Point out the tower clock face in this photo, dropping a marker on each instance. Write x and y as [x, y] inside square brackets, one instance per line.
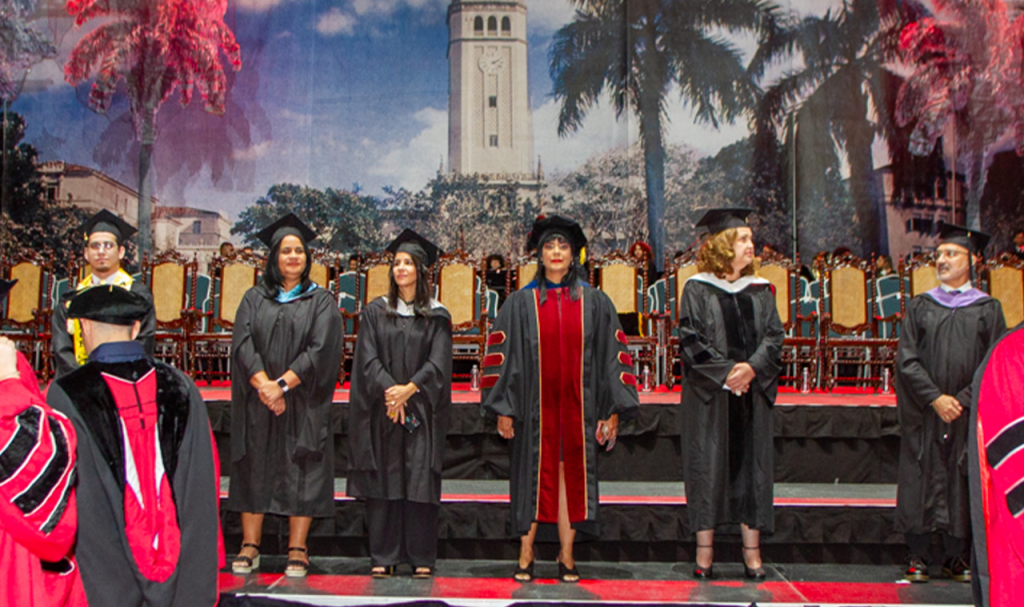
[491, 62]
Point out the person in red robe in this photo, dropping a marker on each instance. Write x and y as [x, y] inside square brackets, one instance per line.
[996, 470]
[558, 376]
[38, 513]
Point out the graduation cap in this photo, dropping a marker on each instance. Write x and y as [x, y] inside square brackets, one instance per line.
[556, 224]
[717, 220]
[105, 221]
[109, 304]
[974, 241]
[419, 247]
[289, 225]
[6, 286]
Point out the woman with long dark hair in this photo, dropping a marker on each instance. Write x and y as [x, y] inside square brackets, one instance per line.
[398, 417]
[556, 414]
[731, 338]
[286, 349]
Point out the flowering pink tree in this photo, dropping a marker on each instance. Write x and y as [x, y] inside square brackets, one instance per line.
[156, 46]
[967, 68]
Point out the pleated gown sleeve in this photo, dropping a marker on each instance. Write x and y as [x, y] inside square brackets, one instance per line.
[699, 317]
[368, 382]
[616, 389]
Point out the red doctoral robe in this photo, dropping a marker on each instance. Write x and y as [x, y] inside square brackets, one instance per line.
[37, 502]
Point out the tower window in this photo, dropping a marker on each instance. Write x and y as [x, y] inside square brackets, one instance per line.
[492, 25]
[478, 26]
[494, 141]
[492, 101]
[506, 26]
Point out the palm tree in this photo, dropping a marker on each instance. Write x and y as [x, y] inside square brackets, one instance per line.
[636, 50]
[968, 70]
[844, 53]
[156, 46]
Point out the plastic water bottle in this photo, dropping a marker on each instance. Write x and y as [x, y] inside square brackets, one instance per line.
[647, 379]
[805, 381]
[474, 379]
[886, 381]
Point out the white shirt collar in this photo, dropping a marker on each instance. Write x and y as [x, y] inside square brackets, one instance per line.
[729, 287]
[967, 286]
[404, 309]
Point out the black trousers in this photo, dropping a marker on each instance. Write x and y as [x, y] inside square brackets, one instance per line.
[402, 532]
[920, 546]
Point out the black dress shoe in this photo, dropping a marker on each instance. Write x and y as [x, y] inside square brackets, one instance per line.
[755, 573]
[703, 573]
[957, 569]
[917, 571]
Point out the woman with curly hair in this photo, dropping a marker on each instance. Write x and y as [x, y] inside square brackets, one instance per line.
[731, 337]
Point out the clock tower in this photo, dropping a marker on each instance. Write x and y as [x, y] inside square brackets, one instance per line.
[490, 128]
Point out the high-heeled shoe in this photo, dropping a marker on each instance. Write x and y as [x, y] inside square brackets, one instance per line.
[244, 565]
[755, 573]
[703, 573]
[297, 568]
[567, 575]
[524, 574]
[382, 571]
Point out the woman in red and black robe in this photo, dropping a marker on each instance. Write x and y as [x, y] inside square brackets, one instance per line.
[558, 376]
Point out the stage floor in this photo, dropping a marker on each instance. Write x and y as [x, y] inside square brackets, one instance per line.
[345, 581]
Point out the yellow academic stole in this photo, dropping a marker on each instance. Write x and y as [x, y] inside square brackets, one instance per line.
[121, 279]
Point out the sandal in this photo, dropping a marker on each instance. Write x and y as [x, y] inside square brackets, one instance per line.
[244, 565]
[296, 567]
[381, 572]
[567, 575]
[756, 573]
[524, 574]
[422, 573]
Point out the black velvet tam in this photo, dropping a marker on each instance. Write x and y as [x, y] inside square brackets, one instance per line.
[561, 225]
[105, 221]
[110, 304]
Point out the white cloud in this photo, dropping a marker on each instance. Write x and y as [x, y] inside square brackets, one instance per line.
[387, 7]
[548, 15]
[252, 152]
[335, 22]
[414, 164]
[258, 6]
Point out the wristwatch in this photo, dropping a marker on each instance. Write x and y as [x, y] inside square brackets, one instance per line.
[284, 385]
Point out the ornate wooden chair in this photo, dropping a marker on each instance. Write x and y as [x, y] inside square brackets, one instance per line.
[1005, 279]
[919, 276]
[27, 311]
[462, 288]
[210, 342]
[171, 276]
[371, 282]
[524, 270]
[848, 327]
[677, 272]
[621, 277]
[800, 349]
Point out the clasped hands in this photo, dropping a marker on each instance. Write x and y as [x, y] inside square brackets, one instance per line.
[948, 408]
[271, 394]
[607, 430]
[739, 378]
[395, 399]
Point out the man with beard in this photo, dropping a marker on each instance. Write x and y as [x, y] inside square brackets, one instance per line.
[945, 336]
[105, 234]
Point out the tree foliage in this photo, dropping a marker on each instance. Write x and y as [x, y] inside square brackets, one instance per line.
[21, 46]
[344, 221]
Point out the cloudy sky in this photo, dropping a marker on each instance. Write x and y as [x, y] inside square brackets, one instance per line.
[332, 93]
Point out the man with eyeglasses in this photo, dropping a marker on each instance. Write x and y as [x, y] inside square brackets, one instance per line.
[944, 338]
[105, 234]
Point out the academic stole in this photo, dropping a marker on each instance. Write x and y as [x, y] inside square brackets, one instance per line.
[121, 279]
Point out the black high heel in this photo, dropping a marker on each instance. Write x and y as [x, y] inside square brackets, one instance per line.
[704, 573]
[524, 574]
[753, 574]
[567, 575]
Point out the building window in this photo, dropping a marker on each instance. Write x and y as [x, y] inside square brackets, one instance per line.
[197, 227]
[492, 101]
[921, 225]
[506, 26]
[494, 141]
[492, 25]
[478, 26]
[51, 192]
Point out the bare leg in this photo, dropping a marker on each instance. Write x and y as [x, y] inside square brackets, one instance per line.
[298, 530]
[252, 533]
[751, 546]
[705, 548]
[566, 534]
[526, 555]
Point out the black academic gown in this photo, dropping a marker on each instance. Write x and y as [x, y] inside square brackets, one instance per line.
[63, 344]
[284, 464]
[512, 387]
[387, 461]
[940, 348]
[109, 571]
[728, 440]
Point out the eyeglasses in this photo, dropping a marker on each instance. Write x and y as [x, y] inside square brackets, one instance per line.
[950, 253]
[102, 245]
